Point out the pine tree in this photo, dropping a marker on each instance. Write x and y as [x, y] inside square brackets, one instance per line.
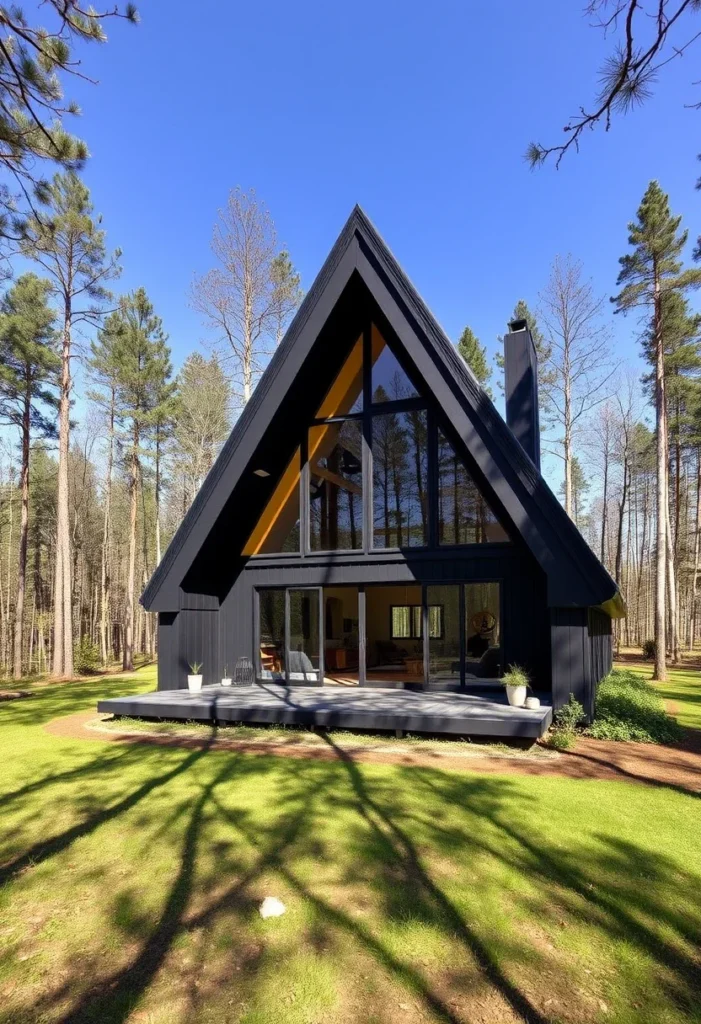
[202, 420]
[648, 274]
[29, 366]
[141, 360]
[68, 243]
[33, 110]
[475, 355]
[103, 372]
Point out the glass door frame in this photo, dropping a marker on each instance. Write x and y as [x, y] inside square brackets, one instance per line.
[462, 605]
[256, 634]
[363, 625]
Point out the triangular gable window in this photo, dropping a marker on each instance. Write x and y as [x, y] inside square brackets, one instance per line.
[373, 416]
[464, 517]
[389, 382]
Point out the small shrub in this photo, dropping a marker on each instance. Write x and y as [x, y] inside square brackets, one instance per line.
[86, 656]
[628, 708]
[561, 739]
[516, 676]
[649, 650]
[564, 732]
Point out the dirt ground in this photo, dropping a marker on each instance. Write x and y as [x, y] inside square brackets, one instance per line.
[678, 766]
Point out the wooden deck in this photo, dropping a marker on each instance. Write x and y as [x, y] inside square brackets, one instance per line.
[328, 707]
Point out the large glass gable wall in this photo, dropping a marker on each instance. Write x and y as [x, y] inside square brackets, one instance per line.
[375, 470]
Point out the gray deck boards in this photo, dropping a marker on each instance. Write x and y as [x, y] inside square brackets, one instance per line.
[331, 707]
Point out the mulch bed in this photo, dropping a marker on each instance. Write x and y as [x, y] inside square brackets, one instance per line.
[677, 766]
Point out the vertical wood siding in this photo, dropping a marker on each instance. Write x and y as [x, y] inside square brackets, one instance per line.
[220, 636]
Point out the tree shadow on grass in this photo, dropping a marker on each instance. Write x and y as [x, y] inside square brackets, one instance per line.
[632, 895]
[409, 870]
[56, 844]
[115, 997]
[285, 829]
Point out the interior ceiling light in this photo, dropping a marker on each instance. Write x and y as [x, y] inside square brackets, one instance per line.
[261, 472]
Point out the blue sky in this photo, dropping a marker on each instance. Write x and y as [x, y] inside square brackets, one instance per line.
[421, 114]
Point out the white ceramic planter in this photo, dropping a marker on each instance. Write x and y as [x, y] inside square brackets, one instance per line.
[194, 683]
[516, 695]
[226, 681]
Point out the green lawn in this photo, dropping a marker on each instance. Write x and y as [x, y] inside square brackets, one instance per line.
[683, 688]
[131, 877]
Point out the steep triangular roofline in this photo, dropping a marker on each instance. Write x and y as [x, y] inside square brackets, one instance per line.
[575, 577]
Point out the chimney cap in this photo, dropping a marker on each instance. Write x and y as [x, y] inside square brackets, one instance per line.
[518, 325]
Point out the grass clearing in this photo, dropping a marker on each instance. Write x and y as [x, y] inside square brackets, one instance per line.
[682, 690]
[130, 877]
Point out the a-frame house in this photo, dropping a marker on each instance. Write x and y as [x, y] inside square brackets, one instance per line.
[373, 523]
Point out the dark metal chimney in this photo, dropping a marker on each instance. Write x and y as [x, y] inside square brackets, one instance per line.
[521, 386]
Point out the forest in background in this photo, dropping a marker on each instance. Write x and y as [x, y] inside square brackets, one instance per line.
[103, 445]
[143, 437]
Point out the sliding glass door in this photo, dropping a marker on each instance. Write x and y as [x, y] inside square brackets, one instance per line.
[289, 635]
[467, 651]
[441, 636]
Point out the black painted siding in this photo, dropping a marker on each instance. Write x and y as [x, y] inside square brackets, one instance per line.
[219, 637]
[184, 637]
[581, 654]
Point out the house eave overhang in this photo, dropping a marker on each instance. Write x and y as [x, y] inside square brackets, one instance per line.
[615, 607]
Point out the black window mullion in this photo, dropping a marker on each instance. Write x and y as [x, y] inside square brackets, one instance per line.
[362, 636]
[287, 636]
[425, 624]
[432, 480]
[304, 518]
[463, 631]
[321, 626]
[367, 442]
[256, 634]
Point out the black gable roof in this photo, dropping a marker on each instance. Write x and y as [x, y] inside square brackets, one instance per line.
[574, 574]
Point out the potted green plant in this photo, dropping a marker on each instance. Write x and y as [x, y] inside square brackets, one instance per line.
[226, 678]
[516, 682]
[194, 680]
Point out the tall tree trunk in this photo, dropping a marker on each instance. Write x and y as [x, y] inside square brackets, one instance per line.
[23, 531]
[604, 509]
[697, 552]
[621, 516]
[568, 443]
[660, 672]
[106, 537]
[7, 636]
[63, 612]
[672, 596]
[158, 498]
[128, 657]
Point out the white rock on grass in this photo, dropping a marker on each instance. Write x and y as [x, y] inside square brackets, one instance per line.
[272, 907]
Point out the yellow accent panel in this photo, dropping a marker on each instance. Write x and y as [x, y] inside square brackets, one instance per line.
[340, 399]
[343, 393]
[347, 386]
[378, 344]
[278, 501]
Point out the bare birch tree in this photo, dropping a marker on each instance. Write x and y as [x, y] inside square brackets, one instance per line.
[249, 297]
[580, 370]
